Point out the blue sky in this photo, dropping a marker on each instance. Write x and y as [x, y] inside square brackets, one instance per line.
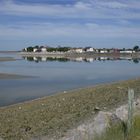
[76, 23]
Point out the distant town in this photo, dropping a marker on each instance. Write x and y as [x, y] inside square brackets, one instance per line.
[59, 49]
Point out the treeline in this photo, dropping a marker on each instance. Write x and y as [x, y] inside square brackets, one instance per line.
[66, 49]
[59, 49]
[136, 48]
[46, 48]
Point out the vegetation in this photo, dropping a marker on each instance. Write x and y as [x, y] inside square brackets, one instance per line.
[30, 49]
[49, 49]
[115, 132]
[136, 48]
[118, 132]
[59, 49]
[66, 49]
[54, 115]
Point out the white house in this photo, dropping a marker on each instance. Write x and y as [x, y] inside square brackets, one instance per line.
[25, 49]
[79, 50]
[43, 49]
[35, 49]
[127, 51]
[103, 51]
[89, 49]
[96, 50]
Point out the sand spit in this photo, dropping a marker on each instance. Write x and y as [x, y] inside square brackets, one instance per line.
[3, 59]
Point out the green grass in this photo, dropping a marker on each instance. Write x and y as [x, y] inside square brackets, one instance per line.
[54, 115]
[113, 133]
[136, 128]
[118, 132]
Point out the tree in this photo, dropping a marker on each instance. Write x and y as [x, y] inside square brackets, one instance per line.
[51, 49]
[30, 49]
[24, 50]
[123, 49]
[63, 49]
[136, 60]
[37, 47]
[136, 48]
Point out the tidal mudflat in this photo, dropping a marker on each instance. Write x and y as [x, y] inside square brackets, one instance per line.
[11, 76]
[7, 75]
[2, 59]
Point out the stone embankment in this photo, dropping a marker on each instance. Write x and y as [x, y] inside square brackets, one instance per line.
[85, 55]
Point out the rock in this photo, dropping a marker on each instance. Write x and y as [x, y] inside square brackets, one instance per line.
[101, 122]
[96, 108]
[19, 107]
[137, 103]
[114, 119]
[122, 112]
[105, 108]
[90, 129]
[82, 128]
[28, 128]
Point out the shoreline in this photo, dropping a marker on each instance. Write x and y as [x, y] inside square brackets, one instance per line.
[53, 115]
[66, 91]
[86, 55]
[4, 59]
[7, 76]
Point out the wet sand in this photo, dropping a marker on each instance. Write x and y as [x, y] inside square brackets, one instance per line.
[3, 59]
[11, 76]
[7, 75]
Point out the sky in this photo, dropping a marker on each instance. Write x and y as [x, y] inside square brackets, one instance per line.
[76, 23]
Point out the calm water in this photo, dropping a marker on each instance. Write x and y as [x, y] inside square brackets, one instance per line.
[53, 75]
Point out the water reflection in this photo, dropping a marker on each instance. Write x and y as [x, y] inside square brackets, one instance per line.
[78, 59]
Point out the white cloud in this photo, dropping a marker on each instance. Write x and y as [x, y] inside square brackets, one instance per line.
[82, 6]
[112, 4]
[81, 9]
[85, 27]
[52, 30]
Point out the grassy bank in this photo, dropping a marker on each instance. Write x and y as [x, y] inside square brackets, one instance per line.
[54, 115]
[118, 132]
